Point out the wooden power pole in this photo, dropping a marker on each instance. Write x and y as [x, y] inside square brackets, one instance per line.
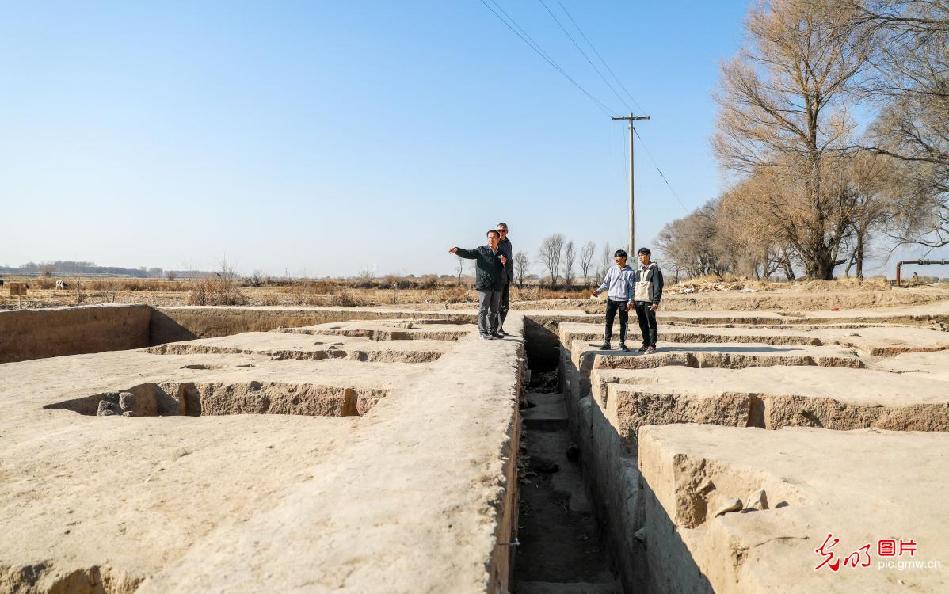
[632, 186]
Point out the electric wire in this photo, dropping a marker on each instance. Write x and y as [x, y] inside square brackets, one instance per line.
[658, 170]
[583, 53]
[511, 24]
[602, 61]
[618, 82]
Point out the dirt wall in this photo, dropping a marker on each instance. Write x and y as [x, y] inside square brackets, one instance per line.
[40, 333]
[169, 324]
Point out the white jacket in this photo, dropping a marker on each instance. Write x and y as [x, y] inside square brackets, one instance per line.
[620, 283]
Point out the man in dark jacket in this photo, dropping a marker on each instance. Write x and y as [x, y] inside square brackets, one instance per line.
[490, 264]
[507, 250]
[647, 295]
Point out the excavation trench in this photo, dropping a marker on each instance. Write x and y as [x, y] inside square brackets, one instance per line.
[168, 399]
[561, 546]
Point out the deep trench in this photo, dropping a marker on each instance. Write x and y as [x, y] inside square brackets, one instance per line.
[561, 545]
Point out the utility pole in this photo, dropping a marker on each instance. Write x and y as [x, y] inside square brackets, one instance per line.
[632, 191]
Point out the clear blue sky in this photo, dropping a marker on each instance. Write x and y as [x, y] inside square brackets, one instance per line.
[332, 137]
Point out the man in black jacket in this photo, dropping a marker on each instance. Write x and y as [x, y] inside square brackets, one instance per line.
[490, 265]
[507, 250]
[647, 295]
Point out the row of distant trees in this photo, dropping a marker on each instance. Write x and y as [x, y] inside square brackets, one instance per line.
[812, 188]
[79, 267]
[561, 262]
[68, 267]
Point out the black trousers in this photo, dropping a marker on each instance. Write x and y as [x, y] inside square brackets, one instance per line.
[647, 322]
[505, 304]
[611, 309]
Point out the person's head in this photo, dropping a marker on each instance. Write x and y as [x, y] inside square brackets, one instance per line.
[493, 238]
[620, 257]
[502, 230]
[643, 254]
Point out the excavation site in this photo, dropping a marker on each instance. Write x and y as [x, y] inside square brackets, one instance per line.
[483, 297]
[312, 449]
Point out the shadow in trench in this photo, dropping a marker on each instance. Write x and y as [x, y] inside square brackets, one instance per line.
[561, 547]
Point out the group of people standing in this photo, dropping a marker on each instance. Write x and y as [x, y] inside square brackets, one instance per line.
[494, 273]
[639, 289]
[627, 288]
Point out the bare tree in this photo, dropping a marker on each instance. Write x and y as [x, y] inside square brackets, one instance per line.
[758, 238]
[910, 82]
[694, 244]
[569, 261]
[521, 264]
[459, 270]
[550, 253]
[782, 105]
[869, 175]
[606, 260]
[586, 260]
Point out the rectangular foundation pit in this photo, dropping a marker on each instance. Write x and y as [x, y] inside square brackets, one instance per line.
[388, 330]
[834, 384]
[726, 355]
[307, 347]
[428, 478]
[169, 399]
[410, 444]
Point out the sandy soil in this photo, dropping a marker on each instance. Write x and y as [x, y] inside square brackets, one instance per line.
[412, 497]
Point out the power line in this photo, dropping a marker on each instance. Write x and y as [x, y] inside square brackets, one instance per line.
[511, 24]
[620, 83]
[582, 53]
[605, 65]
[661, 174]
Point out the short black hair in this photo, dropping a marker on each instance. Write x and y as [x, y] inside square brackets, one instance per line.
[644, 250]
[620, 254]
[490, 231]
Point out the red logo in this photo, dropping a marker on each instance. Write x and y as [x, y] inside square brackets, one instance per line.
[861, 557]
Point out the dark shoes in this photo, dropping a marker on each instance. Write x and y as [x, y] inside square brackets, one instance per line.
[623, 347]
[650, 350]
[498, 335]
[643, 348]
[605, 347]
[487, 337]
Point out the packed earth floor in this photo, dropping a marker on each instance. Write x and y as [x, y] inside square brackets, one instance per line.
[390, 450]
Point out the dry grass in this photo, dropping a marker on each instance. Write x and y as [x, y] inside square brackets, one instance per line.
[221, 290]
[430, 292]
[730, 282]
[216, 291]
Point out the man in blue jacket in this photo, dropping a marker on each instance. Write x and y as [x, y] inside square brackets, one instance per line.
[619, 286]
[489, 266]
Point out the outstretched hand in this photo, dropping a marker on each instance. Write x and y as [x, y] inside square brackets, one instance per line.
[453, 250]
